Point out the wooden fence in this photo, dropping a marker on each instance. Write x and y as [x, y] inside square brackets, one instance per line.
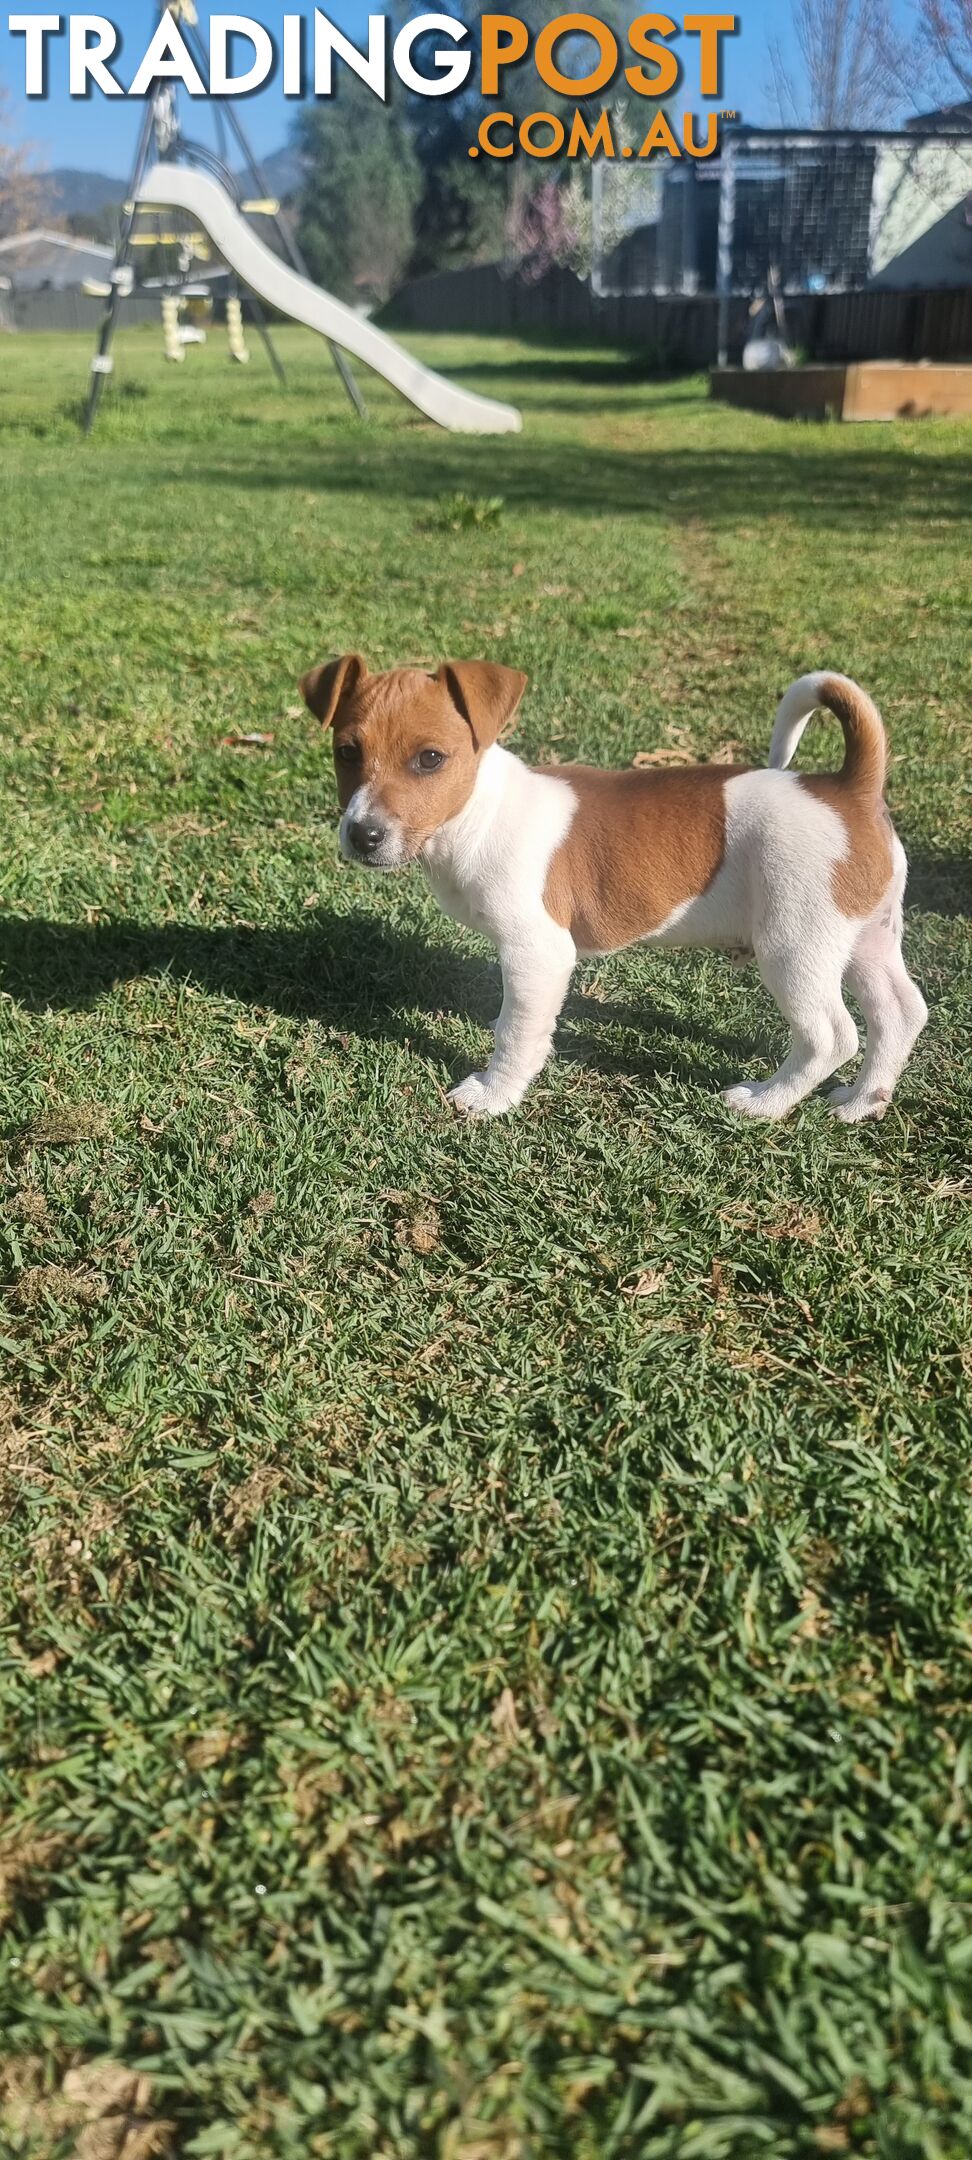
[680, 332]
[69, 308]
[671, 330]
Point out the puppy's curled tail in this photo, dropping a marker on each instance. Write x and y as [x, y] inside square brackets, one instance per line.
[865, 743]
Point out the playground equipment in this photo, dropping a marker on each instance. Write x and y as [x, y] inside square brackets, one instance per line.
[172, 342]
[205, 188]
[830, 209]
[187, 296]
[283, 288]
[235, 336]
[186, 311]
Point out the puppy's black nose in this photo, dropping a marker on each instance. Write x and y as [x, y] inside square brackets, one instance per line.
[366, 839]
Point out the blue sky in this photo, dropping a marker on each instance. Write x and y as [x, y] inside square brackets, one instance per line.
[100, 134]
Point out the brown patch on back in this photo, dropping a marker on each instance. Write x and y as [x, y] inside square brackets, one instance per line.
[859, 882]
[640, 845]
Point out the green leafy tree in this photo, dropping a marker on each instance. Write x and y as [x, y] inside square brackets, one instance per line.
[460, 213]
[101, 225]
[391, 191]
[362, 185]
[478, 209]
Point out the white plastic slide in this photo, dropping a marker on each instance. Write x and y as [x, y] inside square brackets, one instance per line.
[178, 187]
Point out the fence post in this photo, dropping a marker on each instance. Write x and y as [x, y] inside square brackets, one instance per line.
[690, 228]
[727, 221]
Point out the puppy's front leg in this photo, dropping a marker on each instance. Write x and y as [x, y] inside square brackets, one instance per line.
[537, 968]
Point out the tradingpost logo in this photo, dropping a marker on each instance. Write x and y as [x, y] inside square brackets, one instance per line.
[432, 56]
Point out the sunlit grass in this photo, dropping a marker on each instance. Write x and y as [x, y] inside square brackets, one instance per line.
[486, 1641]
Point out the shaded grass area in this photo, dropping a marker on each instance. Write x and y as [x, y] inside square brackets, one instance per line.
[485, 1657]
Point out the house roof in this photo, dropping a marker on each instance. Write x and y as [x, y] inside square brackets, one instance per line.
[39, 235]
[39, 258]
[947, 119]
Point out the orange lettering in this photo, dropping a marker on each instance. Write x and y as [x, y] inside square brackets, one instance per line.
[580, 85]
[486, 127]
[582, 138]
[666, 62]
[688, 134]
[710, 29]
[497, 55]
[659, 137]
[542, 119]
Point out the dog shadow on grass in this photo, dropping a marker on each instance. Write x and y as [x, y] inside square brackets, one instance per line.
[351, 973]
[940, 884]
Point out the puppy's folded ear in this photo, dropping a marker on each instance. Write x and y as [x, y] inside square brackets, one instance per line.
[324, 687]
[486, 696]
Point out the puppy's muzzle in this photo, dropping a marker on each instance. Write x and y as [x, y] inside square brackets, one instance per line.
[368, 838]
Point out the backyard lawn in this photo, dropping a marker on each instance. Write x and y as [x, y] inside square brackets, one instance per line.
[486, 1637]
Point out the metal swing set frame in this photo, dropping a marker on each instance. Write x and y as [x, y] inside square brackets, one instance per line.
[160, 134]
[186, 177]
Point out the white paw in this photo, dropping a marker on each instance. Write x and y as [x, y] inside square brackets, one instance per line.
[840, 1095]
[477, 1097]
[752, 1098]
[853, 1108]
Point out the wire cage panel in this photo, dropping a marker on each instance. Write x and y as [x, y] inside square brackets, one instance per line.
[820, 212]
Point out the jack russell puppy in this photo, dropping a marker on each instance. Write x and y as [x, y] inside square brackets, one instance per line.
[805, 872]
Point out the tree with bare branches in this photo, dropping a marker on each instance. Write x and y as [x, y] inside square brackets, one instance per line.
[849, 65]
[22, 187]
[947, 28]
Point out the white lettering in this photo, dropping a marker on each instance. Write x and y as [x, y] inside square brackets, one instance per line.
[168, 56]
[34, 29]
[452, 68]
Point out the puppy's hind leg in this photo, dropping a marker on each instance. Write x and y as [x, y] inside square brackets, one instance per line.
[805, 980]
[895, 1012]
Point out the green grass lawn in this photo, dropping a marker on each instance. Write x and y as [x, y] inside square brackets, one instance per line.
[486, 1610]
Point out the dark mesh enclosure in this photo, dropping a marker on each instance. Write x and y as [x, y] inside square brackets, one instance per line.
[825, 212]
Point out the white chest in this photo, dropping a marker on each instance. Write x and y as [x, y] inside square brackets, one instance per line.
[488, 869]
[463, 900]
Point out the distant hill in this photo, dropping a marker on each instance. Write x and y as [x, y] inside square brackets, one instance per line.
[283, 171]
[81, 194]
[77, 194]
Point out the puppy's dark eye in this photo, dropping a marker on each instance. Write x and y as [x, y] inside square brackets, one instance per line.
[429, 760]
[347, 753]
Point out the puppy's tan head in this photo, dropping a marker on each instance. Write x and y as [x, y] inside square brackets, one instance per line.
[407, 746]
